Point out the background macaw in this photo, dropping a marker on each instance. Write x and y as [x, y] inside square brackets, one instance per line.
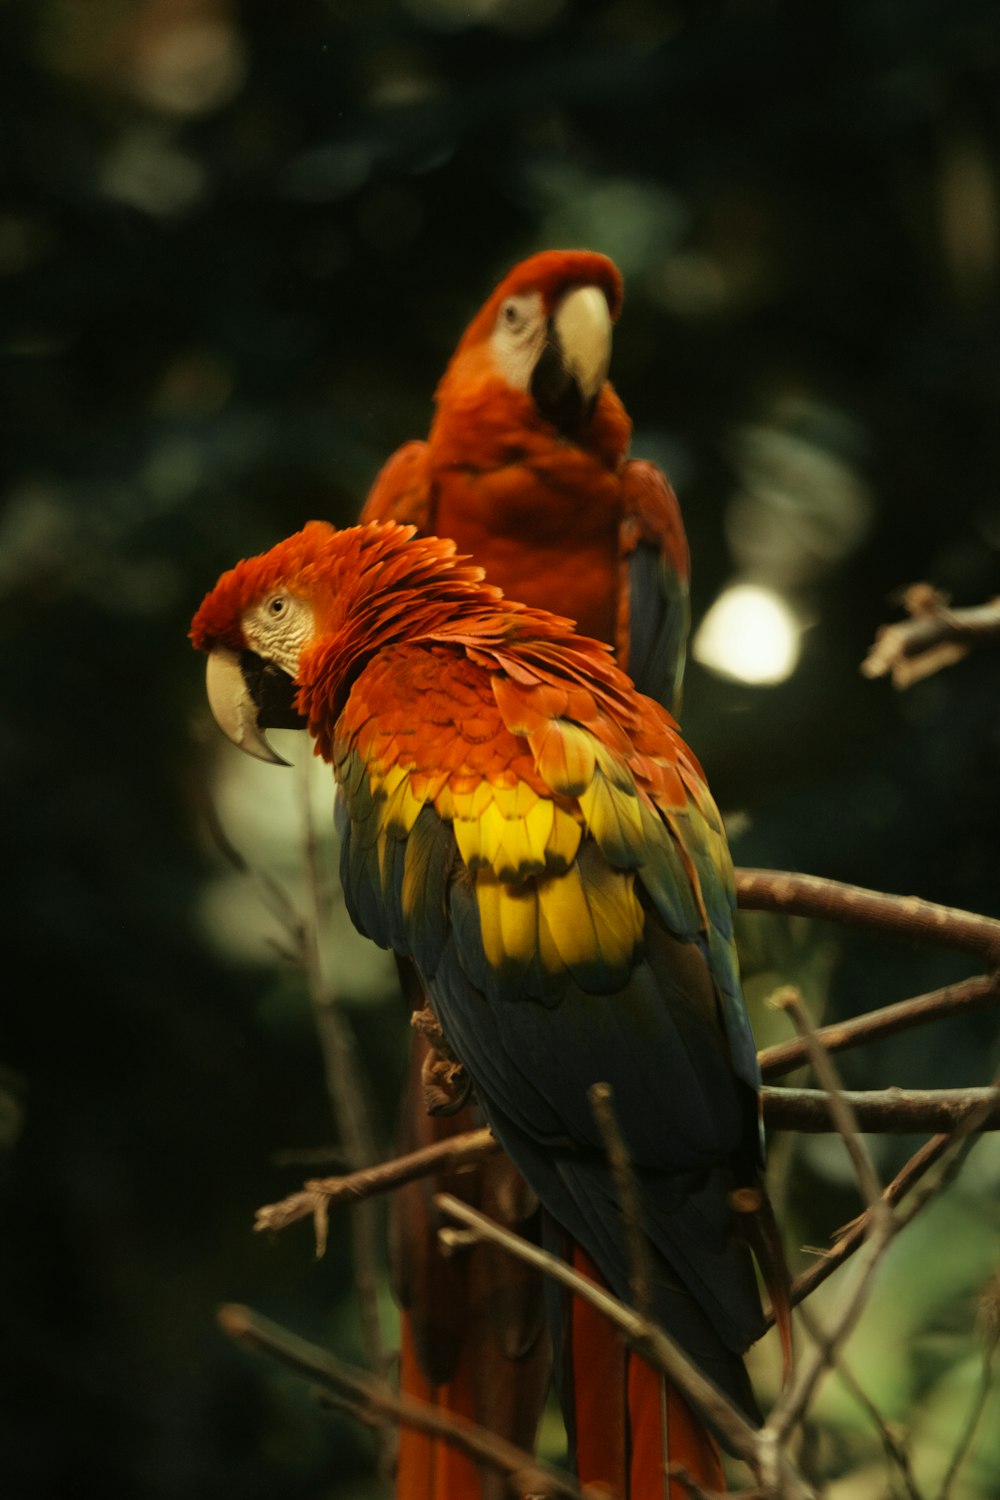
[536, 837]
[526, 468]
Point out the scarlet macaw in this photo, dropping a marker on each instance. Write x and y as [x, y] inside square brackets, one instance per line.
[536, 837]
[526, 468]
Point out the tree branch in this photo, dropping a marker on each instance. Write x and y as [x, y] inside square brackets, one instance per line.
[376, 1403]
[891, 1111]
[951, 1146]
[895, 1448]
[649, 1341]
[934, 636]
[980, 993]
[854, 1235]
[908, 917]
[345, 1085]
[840, 1109]
[794, 1400]
[448, 1155]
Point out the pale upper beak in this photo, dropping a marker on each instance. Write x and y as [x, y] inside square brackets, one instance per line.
[233, 705]
[582, 323]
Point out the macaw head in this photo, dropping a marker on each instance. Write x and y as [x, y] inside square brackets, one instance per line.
[255, 625]
[287, 631]
[544, 333]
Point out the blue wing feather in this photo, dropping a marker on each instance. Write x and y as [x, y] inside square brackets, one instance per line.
[659, 620]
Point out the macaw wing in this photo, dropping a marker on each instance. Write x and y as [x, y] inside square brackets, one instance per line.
[527, 875]
[402, 490]
[655, 583]
[685, 1115]
[478, 820]
[644, 799]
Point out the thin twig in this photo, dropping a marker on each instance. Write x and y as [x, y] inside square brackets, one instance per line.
[964, 1444]
[989, 1323]
[963, 998]
[960, 1143]
[854, 1236]
[448, 1155]
[895, 1450]
[795, 1399]
[908, 917]
[878, 1228]
[340, 1062]
[381, 1406]
[844, 1117]
[651, 1342]
[885, 1111]
[601, 1096]
[678, 1475]
[342, 1071]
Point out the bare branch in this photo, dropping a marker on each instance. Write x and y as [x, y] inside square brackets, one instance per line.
[934, 636]
[895, 1449]
[875, 911]
[960, 1143]
[950, 1146]
[879, 1225]
[345, 1087]
[649, 1341]
[841, 1111]
[969, 995]
[795, 1399]
[376, 1403]
[656, 1347]
[853, 1237]
[443, 1156]
[888, 1111]
[983, 1387]
[989, 1327]
[899, 1111]
[680, 1476]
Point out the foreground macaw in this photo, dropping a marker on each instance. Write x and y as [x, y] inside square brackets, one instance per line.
[535, 836]
[526, 468]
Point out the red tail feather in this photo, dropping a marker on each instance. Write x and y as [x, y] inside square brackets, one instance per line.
[473, 1338]
[427, 1467]
[629, 1425]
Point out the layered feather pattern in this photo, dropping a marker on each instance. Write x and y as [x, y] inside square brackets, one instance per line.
[538, 838]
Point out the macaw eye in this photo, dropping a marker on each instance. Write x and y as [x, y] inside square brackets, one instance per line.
[512, 313]
[277, 606]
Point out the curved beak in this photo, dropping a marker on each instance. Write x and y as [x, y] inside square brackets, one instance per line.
[573, 365]
[582, 324]
[234, 706]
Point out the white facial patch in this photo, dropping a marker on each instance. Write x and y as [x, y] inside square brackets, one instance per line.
[518, 338]
[278, 628]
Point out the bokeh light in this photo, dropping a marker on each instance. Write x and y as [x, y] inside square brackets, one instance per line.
[750, 635]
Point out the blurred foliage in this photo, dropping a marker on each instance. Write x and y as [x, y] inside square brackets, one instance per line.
[238, 240]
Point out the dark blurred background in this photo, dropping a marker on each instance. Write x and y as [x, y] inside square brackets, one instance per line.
[237, 244]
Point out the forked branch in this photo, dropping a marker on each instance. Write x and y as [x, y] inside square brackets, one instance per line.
[932, 637]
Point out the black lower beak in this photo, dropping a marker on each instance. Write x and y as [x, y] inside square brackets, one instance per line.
[272, 691]
[555, 390]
